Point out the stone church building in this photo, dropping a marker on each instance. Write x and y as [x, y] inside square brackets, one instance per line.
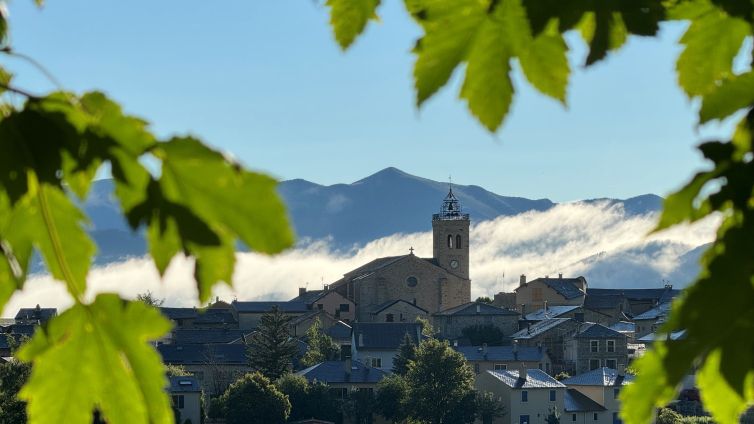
[433, 284]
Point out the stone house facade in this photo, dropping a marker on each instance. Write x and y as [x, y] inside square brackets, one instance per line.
[550, 334]
[526, 395]
[398, 311]
[535, 294]
[451, 322]
[595, 346]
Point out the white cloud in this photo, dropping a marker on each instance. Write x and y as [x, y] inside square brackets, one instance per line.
[597, 241]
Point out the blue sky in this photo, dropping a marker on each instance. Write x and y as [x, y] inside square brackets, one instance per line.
[265, 81]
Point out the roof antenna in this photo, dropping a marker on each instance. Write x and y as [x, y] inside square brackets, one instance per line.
[450, 183]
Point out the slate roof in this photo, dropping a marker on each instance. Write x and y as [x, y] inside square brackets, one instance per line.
[384, 335]
[602, 301]
[308, 297]
[591, 330]
[23, 329]
[476, 308]
[536, 379]
[660, 295]
[604, 377]
[228, 354]
[184, 384]
[540, 327]
[35, 314]
[576, 401]
[339, 331]
[179, 313]
[550, 312]
[266, 306]
[565, 287]
[215, 317]
[379, 308]
[373, 266]
[651, 337]
[501, 353]
[206, 335]
[658, 311]
[333, 372]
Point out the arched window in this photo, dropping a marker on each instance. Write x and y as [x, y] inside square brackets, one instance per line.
[450, 241]
[458, 241]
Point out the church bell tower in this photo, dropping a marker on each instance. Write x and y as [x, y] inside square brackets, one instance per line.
[450, 237]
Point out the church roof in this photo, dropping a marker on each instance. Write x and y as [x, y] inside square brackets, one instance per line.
[476, 308]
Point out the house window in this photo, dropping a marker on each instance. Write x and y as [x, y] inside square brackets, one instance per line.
[594, 346]
[376, 362]
[524, 396]
[476, 368]
[553, 395]
[345, 307]
[536, 294]
[523, 419]
[458, 241]
[594, 364]
[616, 392]
[178, 401]
[611, 345]
[616, 419]
[339, 392]
[389, 318]
[611, 363]
[596, 416]
[500, 367]
[573, 417]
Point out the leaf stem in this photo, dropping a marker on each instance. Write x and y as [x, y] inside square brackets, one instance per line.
[24, 93]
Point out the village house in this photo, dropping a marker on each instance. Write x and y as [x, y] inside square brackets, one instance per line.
[451, 322]
[344, 376]
[186, 397]
[215, 366]
[328, 301]
[248, 314]
[580, 409]
[376, 344]
[527, 396]
[300, 325]
[594, 346]
[500, 358]
[532, 295]
[397, 311]
[651, 320]
[602, 385]
[551, 334]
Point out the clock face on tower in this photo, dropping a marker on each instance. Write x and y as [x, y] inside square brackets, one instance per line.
[454, 264]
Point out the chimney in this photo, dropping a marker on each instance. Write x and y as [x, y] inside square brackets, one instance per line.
[522, 280]
[455, 343]
[545, 307]
[478, 308]
[301, 290]
[361, 339]
[523, 310]
[622, 369]
[347, 364]
[560, 275]
[484, 349]
[515, 350]
[523, 372]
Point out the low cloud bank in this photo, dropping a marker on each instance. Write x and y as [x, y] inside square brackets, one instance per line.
[598, 241]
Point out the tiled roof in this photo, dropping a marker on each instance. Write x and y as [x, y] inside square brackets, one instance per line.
[339, 331]
[205, 335]
[550, 312]
[536, 379]
[576, 401]
[184, 384]
[476, 308]
[539, 328]
[652, 337]
[658, 311]
[308, 297]
[501, 353]
[379, 308]
[597, 331]
[605, 377]
[179, 313]
[35, 314]
[334, 372]
[228, 354]
[384, 335]
[262, 307]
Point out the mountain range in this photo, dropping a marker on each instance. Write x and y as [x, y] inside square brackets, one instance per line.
[348, 215]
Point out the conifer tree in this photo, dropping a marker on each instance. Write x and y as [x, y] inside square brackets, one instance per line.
[406, 353]
[271, 349]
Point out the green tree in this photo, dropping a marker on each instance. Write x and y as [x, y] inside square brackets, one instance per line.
[484, 299]
[13, 375]
[392, 398]
[406, 354]
[553, 417]
[487, 408]
[321, 347]
[439, 381]
[668, 416]
[271, 348]
[254, 399]
[314, 400]
[360, 406]
[176, 371]
[483, 333]
[150, 299]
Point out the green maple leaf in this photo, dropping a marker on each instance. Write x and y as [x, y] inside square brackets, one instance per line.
[349, 18]
[98, 356]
